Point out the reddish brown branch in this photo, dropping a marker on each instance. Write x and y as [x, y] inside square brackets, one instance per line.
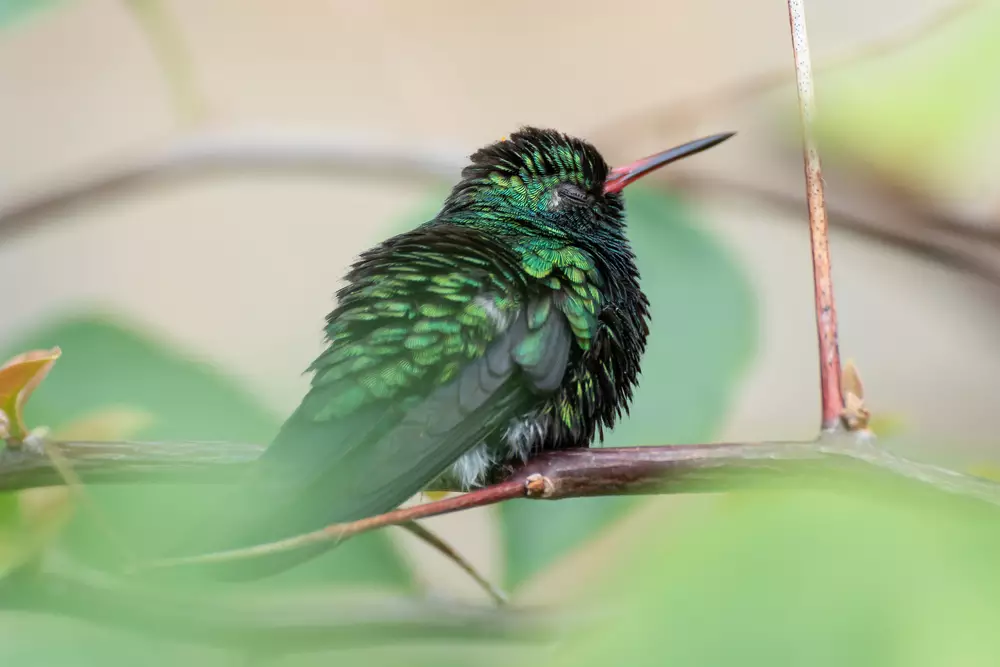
[826, 310]
[490, 495]
[582, 472]
[550, 476]
[657, 470]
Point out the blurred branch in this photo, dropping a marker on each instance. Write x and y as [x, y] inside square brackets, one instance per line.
[909, 225]
[282, 623]
[929, 231]
[262, 149]
[102, 462]
[449, 552]
[578, 473]
[272, 622]
[167, 45]
[605, 471]
[947, 244]
[79, 492]
[252, 149]
[38, 463]
[565, 474]
[686, 114]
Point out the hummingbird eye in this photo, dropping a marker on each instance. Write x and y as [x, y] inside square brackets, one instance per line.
[567, 193]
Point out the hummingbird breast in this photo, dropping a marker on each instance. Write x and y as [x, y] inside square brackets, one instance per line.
[596, 386]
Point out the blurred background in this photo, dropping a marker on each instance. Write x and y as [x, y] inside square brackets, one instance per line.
[183, 183]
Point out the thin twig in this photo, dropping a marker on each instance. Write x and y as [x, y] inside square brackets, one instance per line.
[78, 491]
[490, 495]
[41, 463]
[826, 310]
[657, 470]
[279, 622]
[449, 552]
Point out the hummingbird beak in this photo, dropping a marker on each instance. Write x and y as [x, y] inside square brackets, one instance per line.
[619, 177]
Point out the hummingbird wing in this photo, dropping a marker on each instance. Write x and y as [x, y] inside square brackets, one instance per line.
[434, 344]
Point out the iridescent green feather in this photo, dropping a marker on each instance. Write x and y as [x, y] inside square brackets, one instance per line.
[398, 330]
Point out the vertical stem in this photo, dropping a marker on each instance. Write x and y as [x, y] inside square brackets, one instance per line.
[826, 311]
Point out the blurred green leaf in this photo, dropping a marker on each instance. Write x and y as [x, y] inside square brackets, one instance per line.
[815, 579]
[108, 363]
[40, 514]
[109, 366]
[13, 11]
[11, 532]
[915, 111]
[28, 640]
[704, 325]
[704, 332]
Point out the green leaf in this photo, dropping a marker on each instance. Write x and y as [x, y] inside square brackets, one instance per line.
[107, 364]
[13, 11]
[704, 333]
[32, 640]
[916, 112]
[704, 325]
[806, 578]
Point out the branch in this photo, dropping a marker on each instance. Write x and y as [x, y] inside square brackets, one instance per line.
[826, 310]
[39, 463]
[907, 219]
[919, 235]
[666, 469]
[449, 552]
[76, 487]
[273, 622]
[687, 113]
[279, 622]
[111, 462]
[264, 149]
[698, 467]
[918, 228]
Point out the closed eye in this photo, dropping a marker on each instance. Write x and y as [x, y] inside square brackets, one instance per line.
[567, 193]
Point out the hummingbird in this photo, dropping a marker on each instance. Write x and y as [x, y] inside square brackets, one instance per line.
[511, 323]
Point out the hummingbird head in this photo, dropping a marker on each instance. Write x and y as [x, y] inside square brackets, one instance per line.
[543, 181]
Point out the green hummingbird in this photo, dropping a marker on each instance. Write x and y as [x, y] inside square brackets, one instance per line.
[512, 322]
